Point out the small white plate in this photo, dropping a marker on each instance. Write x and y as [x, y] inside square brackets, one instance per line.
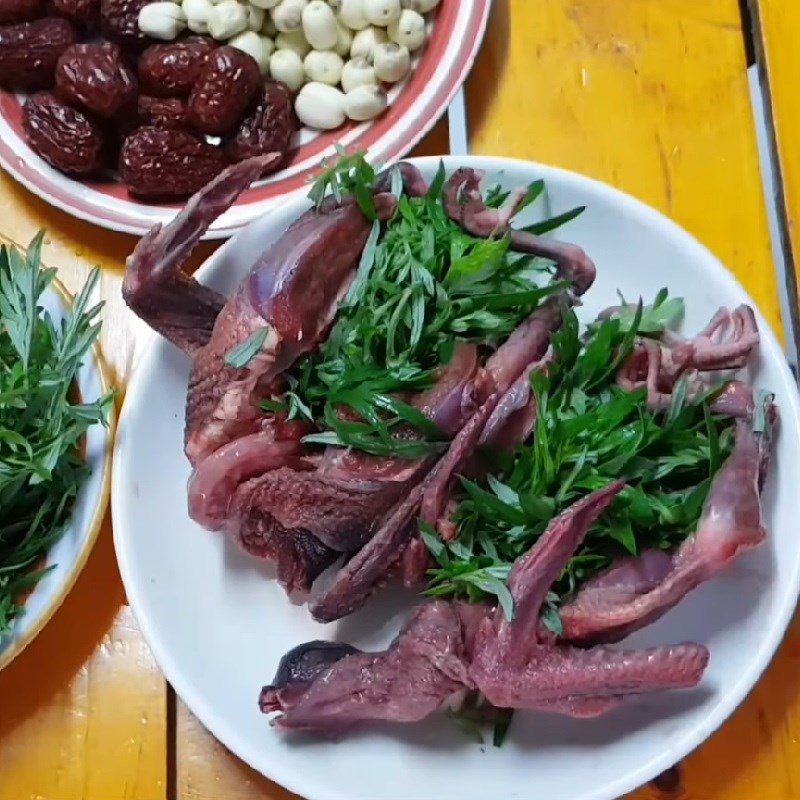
[218, 622]
[70, 552]
[455, 34]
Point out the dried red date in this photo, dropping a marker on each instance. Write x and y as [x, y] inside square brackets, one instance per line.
[95, 76]
[170, 70]
[163, 112]
[19, 10]
[226, 85]
[268, 129]
[29, 51]
[63, 136]
[83, 12]
[119, 20]
[167, 162]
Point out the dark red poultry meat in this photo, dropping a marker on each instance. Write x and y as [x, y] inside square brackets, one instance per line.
[253, 477]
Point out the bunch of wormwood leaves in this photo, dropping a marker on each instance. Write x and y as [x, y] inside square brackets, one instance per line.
[41, 420]
[588, 432]
[422, 284]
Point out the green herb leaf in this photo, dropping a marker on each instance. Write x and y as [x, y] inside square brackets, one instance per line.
[365, 264]
[241, 355]
[551, 619]
[763, 401]
[621, 530]
[547, 225]
[423, 285]
[433, 542]
[437, 184]
[535, 189]
[502, 723]
[496, 196]
[493, 585]
[268, 404]
[41, 421]
[587, 432]
[349, 174]
[663, 313]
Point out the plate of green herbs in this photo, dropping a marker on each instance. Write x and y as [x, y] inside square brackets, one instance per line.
[218, 622]
[56, 421]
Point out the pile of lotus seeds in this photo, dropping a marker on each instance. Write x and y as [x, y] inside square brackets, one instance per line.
[336, 54]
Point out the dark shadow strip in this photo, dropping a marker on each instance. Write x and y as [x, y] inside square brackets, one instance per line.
[747, 30]
[753, 35]
[172, 744]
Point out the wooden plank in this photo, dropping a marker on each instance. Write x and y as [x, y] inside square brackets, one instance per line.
[206, 770]
[652, 97]
[756, 754]
[648, 95]
[777, 29]
[83, 711]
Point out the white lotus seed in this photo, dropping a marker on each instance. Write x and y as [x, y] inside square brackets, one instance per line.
[293, 40]
[197, 13]
[320, 106]
[288, 15]
[357, 72]
[227, 19]
[420, 6]
[344, 39]
[162, 20]
[324, 66]
[352, 14]
[287, 67]
[303, 44]
[409, 30]
[319, 25]
[381, 12]
[364, 42]
[392, 62]
[255, 18]
[365, 102]
[251, 43]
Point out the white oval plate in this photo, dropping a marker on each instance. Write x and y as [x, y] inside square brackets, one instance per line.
[218, 622]
[455, 34]
[70, 552]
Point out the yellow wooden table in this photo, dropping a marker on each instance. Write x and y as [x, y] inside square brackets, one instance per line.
[649, 95]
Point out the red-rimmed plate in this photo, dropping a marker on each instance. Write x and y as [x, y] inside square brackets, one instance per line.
[455, 35]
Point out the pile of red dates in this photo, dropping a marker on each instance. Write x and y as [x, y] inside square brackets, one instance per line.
[102, 97]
